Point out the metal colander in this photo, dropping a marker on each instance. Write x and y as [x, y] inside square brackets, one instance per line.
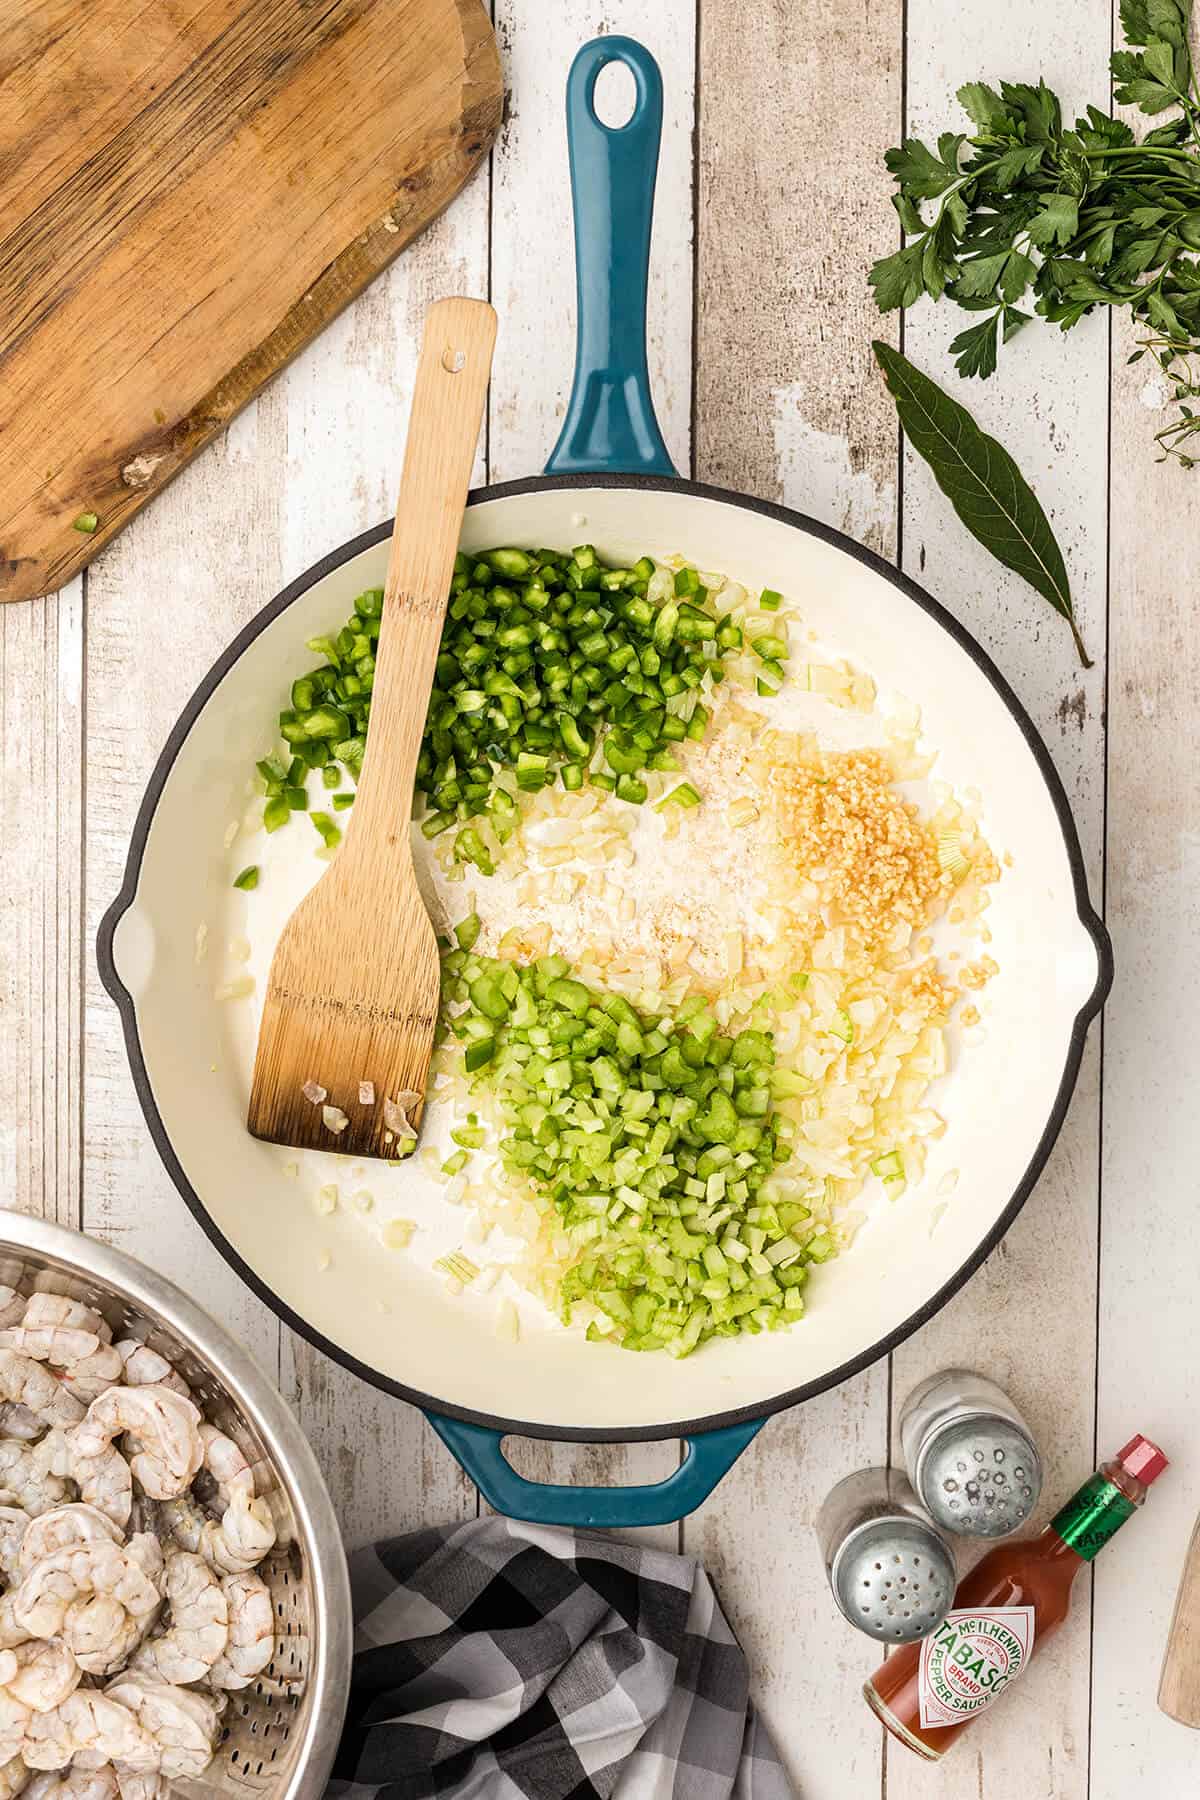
[281, 1733]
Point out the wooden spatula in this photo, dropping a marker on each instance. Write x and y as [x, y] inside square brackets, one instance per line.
[352, 996]
[1179, 1687]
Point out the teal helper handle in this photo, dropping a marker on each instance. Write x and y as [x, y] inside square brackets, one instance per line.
[610, 427]
[709, 1455]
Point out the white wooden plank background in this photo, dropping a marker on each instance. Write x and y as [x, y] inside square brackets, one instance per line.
[771, 204]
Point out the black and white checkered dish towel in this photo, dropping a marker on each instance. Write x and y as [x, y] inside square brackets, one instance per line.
[502, 1661]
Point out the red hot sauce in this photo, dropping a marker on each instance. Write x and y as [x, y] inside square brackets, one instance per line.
[1004, 1610]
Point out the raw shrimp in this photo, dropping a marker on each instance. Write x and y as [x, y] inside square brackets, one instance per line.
[251, 1632]
[14, 1523]
[104, 1480]
[93, 1375]
[53, 1310]
[237, 1542]
[92, 1728]
[25, 1382]
[184, 1725]
[12, 1306]
[144, 1549]
[137, 1784]
[74, 1784]
[144, 1367]
[101, 1633]
[182, 1521]
[226, 1462]
[246, 1534]
[43, 1674]
[17, 1421]
[25, 1480]
[59, 1344]
[14, 1717]
[64, 1525]
[199, 1628]
[100, 1597]
[144, 1516]
[15, 1777]
[57, 1330]
[164, 1425]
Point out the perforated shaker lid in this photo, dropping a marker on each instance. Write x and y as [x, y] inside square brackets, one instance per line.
[979, 1476]
[893, 1577]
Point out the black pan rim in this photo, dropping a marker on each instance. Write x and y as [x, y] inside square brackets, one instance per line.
[683, 1428]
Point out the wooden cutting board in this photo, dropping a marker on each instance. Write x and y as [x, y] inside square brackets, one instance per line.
[189, 191]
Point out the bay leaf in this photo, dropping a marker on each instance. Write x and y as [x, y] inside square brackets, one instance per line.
[982, 483]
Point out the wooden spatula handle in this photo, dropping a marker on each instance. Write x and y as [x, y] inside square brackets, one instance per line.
[452, 380]
[1179, 1688]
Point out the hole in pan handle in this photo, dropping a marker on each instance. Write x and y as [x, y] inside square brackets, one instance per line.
[611, 427]
[710, 1454]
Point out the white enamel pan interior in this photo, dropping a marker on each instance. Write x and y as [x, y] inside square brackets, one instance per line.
[387, 1316]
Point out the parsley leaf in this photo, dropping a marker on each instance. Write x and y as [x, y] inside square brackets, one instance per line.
[1085, 215]
[1037, 108]
[984, 106]
[897, 280]
[974, 350]
[1056, 222]
[1137, 85]
[1022, 159]
[921, 174]
[1144, 20]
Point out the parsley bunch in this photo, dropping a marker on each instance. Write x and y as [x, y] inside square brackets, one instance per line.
[1065, 220]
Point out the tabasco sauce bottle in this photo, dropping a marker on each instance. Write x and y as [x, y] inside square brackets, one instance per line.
[1004, 1610]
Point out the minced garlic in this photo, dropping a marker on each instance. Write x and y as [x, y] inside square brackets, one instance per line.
[877, 859]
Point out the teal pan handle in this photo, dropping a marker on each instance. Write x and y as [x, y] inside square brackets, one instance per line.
[610, 427]
[710, 1454]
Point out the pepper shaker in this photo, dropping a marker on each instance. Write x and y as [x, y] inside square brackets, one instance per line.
[890, 1569]
[970, 1455]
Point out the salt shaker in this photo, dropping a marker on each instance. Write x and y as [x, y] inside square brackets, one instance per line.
[970, 1455]
[890, 1569]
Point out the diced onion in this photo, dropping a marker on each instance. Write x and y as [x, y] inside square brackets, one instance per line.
[238, 989]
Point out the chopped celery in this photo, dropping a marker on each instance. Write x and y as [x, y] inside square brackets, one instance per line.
[248, 879]
[841, 1027]
[651, 1138]
[468, 931]
[684, 795]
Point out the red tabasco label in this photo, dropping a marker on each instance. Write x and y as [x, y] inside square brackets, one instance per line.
[970, 1660]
